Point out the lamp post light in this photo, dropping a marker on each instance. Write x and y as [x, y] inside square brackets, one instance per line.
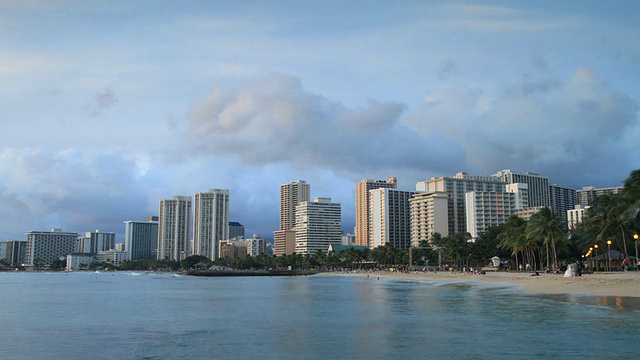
[609, 253]
[596, 247]
[590, 250]
[635, 237]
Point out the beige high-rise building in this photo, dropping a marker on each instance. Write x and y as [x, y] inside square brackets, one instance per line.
[362, 206]
[174, 228]
[456, 187]
[211, 222]
[284, 242]
[291, 195]
[429, 215]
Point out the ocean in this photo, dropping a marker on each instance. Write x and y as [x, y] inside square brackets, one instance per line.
[166, 316]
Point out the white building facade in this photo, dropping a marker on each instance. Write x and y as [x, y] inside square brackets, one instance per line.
[174, 228]
[487, 208]
[44, 247]
[318, 224]
[256, 246]
[211, 222]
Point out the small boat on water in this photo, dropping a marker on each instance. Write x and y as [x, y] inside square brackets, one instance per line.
[250, 272]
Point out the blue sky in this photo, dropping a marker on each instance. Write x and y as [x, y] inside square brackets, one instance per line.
[109, 106]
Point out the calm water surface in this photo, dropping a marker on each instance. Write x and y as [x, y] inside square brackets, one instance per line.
[164, 316]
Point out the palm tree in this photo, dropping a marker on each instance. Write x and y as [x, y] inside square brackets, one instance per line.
[546, 225]
[609, 217]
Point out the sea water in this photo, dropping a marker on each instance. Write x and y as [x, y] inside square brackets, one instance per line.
[167, 316]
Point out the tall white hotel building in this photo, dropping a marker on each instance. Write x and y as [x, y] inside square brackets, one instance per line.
[211, 222]
[174, 228]
[141, 239]
[318, 225]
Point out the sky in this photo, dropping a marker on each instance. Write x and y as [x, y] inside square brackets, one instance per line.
[107, 107]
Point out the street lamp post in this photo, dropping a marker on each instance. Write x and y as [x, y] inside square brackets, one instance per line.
[635, 237]
[609, 253]
[590, 250]
[596, 247]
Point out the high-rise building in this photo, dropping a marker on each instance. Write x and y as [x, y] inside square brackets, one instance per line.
[429, 215]
[256, 246]
[588, 194]
[390, 218]
[211, 216]
[562, 200]
[15, 252]
[44, 247]
[95, 242]
[174, 228]
[3, 249]
[362, 206]
[456, 187]
[284, 242]
[576, 215]
[538, 186]
[236, 230]
[349, 239]
[318, 224]
[141, 239]
[487, 208]
[291, 195]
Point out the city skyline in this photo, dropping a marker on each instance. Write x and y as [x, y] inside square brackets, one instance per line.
[109, 107]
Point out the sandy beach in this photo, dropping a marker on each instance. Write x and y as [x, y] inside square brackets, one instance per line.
[603, 284]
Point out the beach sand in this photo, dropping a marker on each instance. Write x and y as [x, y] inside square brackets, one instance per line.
[625, 284]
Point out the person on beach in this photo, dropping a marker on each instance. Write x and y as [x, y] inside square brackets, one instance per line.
[625, 264]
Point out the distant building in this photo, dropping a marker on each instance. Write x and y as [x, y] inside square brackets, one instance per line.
[141, 239]
[174, 228]
[291, 195]
[562, 200]
[456, 187]
[120, 246]
[362, 206]
[284, 242]
[256, 246]
[538, 185]
[94, 242]
[349, 239]
[211, 222]
[79, 261]
[44, 247]
[112, 257]
[528, 212]
[15, 252]
[318, 225]
[576, 215]
[390, 218]
[3, 249]
[236, 230]
[339, 248]
[488, 208]
[235, 248]
[588, 194]
[429, 215]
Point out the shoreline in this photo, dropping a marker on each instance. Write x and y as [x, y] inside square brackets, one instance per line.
[621, 284]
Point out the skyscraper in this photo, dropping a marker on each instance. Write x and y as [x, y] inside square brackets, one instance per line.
[236, 230]
[390, 218]
[174, 228]
[538, 186]
[95, 242]
[141, 239]
[429, 215]
[291, 195]
[318, 224]
[362, 206]
[211, 216]
[44, 247]
[456, 187]
[562, 199]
